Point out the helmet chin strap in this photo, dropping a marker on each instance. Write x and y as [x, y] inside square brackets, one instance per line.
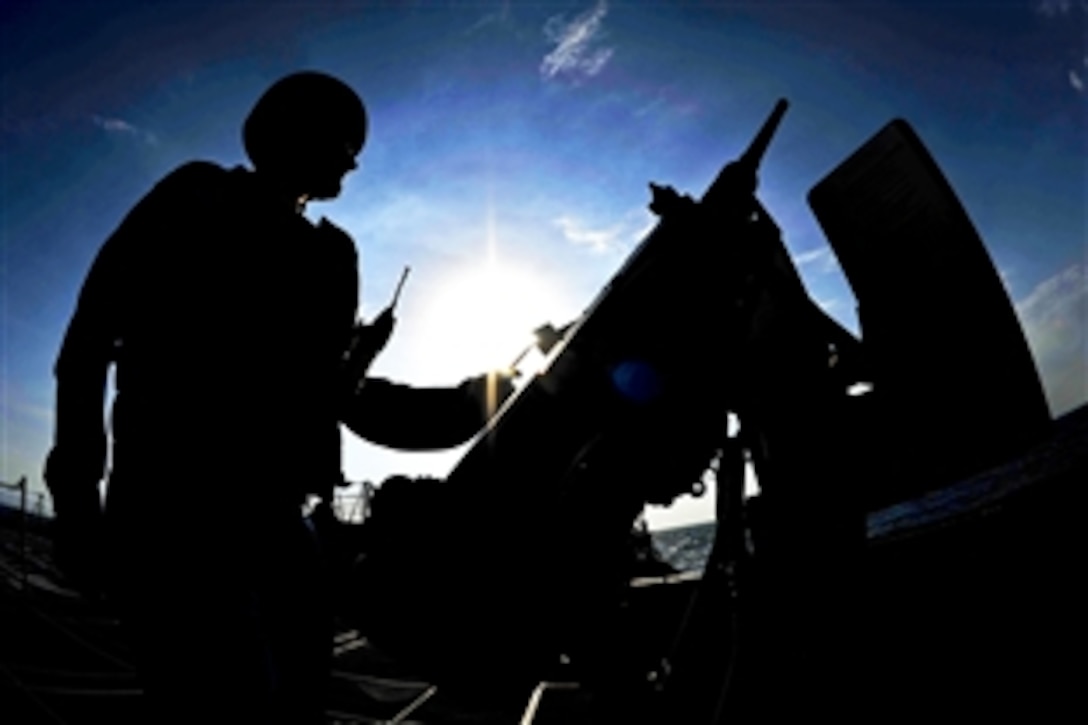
[280, 187]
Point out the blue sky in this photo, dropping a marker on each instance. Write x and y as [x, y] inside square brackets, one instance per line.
[525, 134]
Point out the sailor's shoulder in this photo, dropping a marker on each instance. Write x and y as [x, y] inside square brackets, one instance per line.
[334, 231]
[192, 177]
[197, 171]
[334, 236]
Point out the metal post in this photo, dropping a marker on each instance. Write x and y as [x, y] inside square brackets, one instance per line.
[22, 526]
[21, 484]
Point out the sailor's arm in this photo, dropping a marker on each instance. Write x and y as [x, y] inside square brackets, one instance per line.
[76, 464]
[77, 461]
[419, 419]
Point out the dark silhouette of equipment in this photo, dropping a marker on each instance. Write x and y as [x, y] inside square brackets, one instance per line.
[952, 371]
[633, 407]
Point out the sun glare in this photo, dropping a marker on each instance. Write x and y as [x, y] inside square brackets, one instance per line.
[482, 318]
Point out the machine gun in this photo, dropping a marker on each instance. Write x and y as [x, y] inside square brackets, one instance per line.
[707, 318]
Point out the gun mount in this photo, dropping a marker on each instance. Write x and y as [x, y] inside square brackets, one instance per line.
[708, 317]
[846, 588]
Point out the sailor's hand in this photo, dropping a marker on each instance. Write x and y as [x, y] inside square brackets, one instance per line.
[382, 328]
[72, 475]
[79, 541]
[78, 550]
[367, 341]
[370, 339]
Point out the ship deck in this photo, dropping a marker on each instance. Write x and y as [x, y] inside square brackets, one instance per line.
[970, 592]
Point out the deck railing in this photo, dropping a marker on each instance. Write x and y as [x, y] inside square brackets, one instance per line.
[21, 486]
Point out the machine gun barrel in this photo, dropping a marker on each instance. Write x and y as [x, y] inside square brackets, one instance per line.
[630, 407]
[753, 155]
[738, 179]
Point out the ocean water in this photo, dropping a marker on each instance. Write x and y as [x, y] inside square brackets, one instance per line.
[686, 548]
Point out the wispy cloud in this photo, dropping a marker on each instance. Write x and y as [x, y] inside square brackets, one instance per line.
[36, 413]
[1006, 274]
[1055, 320]
[578, 51]
[828, 305]
[1052, 299]
[1054, 8]
[616, 238]
[498, 17]
[599, 241]
[821, 259]
[1076, 81]
[121, 126]
[667, 102]
[1077, 76]
[1060, 10]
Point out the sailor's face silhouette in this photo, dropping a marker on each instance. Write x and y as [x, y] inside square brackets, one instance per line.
[324, 165]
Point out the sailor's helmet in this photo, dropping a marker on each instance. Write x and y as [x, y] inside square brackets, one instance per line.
[298, 108]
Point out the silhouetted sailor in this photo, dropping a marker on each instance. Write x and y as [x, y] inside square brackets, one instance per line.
[228, 316]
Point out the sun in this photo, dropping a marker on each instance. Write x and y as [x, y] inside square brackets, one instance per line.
[482, 317]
